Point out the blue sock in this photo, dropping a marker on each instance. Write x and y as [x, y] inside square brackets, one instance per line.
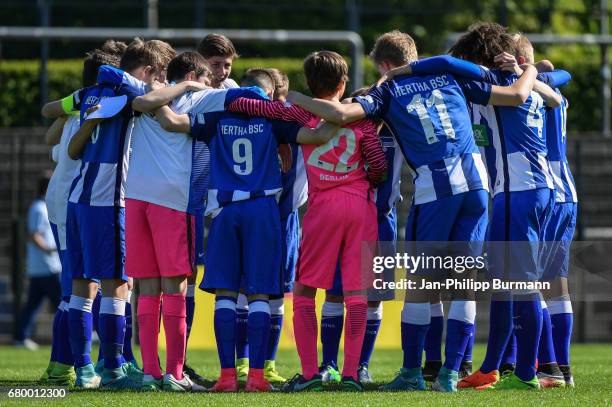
[500, 328]
[562, 318]
[258, 328]
[225, 330]
[459, 327]
[332, 323]
[190, 307]
[276, 327]
[527, 328]
[546, 348]
[415, 324]
[433, 340]
[55, 334]
[509, 356]
[371, 332]
[128, 353]
[64, 352]
[80, 321]
[467, 355]
[242, 343]
[112, 324]
[95, 315]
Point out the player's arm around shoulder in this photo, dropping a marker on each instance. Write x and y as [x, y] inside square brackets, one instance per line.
[164, 95]
[170, 121]
[517, 93]
[61, 107]
[54, 132]
[320, 135]
[328, 110]
[508, 62]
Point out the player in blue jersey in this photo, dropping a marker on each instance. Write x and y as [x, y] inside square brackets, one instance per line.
[560, 232]
[515, 150]
[244, 244]
[95, 221]
[553, 353]
[61, 370]
[294, 195]
[430, 121]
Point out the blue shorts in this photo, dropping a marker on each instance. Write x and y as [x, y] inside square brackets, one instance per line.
[387, 232]
[59, 235]
[518, 222]
[558, 239]
[290, 244]
[244, 249]
[455, 225]
[95, 238]
[199, 237]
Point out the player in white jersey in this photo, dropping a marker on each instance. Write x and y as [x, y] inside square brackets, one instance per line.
[164, 188]
[61, 370]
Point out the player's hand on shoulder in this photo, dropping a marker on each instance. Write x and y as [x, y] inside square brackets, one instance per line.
[392, 73]
[195, 86]
[507, 62]
[90, 111]
[157, 85]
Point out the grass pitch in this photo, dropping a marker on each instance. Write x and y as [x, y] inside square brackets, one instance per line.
[592, 366]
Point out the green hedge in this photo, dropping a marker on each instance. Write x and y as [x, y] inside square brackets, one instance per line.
[19, 87]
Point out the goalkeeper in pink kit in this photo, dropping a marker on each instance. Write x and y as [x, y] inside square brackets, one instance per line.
[341, 216]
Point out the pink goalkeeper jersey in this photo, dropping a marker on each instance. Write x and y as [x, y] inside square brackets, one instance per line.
[340, 163]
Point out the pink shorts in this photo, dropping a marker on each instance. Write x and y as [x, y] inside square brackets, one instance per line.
[335, 228]
[159, 241]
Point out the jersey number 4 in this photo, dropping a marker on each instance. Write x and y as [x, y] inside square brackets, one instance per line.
[342, 166]
[424, 108]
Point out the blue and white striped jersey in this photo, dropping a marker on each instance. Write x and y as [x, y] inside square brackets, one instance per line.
[388, 192]
[100, 180]
[514, 141]
[294, 183]
[556, 142]
[429, 118]
[245, 154]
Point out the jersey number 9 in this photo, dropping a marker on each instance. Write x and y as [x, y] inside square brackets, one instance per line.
[242, 153]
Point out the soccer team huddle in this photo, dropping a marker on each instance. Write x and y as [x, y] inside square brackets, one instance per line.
[482, 132]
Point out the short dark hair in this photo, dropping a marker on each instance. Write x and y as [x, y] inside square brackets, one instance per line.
[93, 61]
[114, 47]
[184, 63]
[482, 42]
[109, 53]
[259, 77]
[395, 47]
[217, 45]
[154, 53]
[324, 71]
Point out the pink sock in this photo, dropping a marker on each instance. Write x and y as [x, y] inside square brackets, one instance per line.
[305, 328]
[148, 324]
[354, 330]
[175, 326]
